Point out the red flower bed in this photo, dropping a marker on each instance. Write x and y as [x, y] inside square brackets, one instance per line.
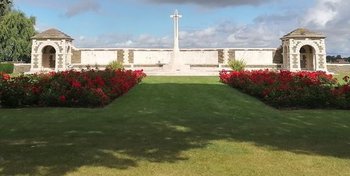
[291, 89]
[69, 88]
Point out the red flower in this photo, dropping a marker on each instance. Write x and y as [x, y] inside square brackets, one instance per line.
[86, 88]
[266, 92]
[76, 84]
[36, 90]
[5, 76]
[62, 98]
[345, 89]
[52, 74]
[285, 88]
[99, 81]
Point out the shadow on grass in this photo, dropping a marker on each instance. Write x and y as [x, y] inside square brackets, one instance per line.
[156, 123]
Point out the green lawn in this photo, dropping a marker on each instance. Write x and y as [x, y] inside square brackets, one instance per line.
[175, 126]
[340, 77]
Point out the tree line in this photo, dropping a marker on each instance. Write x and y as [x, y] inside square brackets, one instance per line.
[16, 30]
[337, 59]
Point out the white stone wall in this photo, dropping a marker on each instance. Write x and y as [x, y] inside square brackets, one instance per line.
[255, 57]
[252, 56]
[199, 57]
[145, 58]
[152, 57]
[99, 57]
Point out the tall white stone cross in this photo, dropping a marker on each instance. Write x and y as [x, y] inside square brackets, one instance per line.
[176, 17]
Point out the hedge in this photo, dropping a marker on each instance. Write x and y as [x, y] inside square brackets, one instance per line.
[7, 68]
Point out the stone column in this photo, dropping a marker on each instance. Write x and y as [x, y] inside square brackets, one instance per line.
[126, 57]
[176, 17]
[226, 56]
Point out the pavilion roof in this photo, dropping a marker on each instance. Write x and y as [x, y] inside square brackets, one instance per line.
[303, 33]
[52, 34]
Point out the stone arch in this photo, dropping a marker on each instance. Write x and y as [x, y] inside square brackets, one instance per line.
[48, 56]
[310, 43]
[42, 60]
[316, 51]
[307, 58]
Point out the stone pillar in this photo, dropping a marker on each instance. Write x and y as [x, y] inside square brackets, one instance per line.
[176, 17]
[126, 57]
[226, 56]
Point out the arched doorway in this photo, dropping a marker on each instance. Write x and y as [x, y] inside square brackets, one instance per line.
[49, 57]
[307, 58]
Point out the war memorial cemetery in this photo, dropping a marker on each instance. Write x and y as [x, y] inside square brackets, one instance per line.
[175, 111]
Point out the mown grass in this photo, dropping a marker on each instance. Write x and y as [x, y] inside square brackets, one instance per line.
[175, 126]
[340, 77]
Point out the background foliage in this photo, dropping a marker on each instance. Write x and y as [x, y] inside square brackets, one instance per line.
[237, 65]
[16, 30]
[6, 67]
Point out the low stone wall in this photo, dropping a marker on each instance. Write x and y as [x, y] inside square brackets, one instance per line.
[21, 68]
[258, 67]
[338, 68]
[199, 56]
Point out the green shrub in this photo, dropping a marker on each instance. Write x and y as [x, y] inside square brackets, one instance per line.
[237, 65]
[6, 67]
[115, 65]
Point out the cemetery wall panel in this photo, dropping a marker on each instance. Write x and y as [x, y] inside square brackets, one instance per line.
[152, 57]
[255, 57]
[199, 57]
[98, 57]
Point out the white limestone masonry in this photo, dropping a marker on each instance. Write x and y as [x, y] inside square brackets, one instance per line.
[97, 57]
[152, 57]
[199, 57]
[255, 57]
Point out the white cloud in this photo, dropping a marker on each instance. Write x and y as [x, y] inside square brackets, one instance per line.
[222, 35]
[127, 43]
[330, 17]
[121, 41]
[335, 23]
[322, 13]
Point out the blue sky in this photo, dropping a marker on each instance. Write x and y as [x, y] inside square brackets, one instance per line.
[205, 23]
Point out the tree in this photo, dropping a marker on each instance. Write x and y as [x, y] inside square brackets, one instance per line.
[331, 59]
[347, 59]
[16, 31]
[5, 7]
[338, 57]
